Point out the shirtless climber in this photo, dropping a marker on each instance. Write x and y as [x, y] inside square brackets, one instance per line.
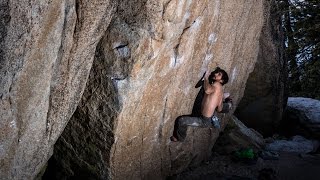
[212, 100]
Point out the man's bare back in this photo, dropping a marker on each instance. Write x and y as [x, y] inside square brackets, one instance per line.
[212, 100]
[213, 95]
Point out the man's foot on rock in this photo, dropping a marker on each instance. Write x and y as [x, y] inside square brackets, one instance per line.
[174, 139]
[215, 122]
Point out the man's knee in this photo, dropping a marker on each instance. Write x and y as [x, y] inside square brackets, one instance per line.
[181, 120]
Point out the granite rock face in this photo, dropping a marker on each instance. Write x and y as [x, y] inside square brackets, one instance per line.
[265, 97]
[47, 52]
[121, 72]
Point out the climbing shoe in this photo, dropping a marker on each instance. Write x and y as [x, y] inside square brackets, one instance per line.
[215, 122]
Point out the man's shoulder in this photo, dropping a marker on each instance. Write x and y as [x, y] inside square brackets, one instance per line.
[217, 84]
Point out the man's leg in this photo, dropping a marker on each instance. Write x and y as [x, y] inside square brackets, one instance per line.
[182, 123]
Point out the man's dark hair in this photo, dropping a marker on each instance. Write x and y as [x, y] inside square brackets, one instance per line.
[224, 78]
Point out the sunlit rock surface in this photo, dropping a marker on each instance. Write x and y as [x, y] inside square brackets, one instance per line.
[146, 57]
[47, 50]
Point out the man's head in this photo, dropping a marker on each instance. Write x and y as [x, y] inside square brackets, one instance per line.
[219, 75]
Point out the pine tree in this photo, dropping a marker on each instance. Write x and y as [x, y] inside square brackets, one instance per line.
[301, 21]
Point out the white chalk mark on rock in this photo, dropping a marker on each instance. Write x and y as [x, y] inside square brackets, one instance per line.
[234, 74]
[212, 38]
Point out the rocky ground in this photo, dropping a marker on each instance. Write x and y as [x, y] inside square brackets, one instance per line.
[277, 157]
[291, 166]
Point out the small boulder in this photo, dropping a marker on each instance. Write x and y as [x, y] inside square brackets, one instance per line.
[237, 136]
[303, 117]
[297, 144]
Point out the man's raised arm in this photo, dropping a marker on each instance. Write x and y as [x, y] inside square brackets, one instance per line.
[208, 88]
[200, 82]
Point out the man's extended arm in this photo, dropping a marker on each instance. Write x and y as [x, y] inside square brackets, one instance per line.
[208, 88]
[200, 82]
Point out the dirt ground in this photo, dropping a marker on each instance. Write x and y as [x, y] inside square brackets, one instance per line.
[289, 166]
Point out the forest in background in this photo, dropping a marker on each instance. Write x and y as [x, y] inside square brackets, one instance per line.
[301, 24]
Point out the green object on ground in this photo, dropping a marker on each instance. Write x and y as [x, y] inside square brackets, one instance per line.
[245, 154]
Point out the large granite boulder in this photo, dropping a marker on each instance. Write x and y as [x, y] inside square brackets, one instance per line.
[302, 117]
[47, 50]
[121, 72]
[153, 68]
[265, 97]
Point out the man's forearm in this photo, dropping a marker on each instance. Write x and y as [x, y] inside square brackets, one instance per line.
[206, 83]
[200, 82]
